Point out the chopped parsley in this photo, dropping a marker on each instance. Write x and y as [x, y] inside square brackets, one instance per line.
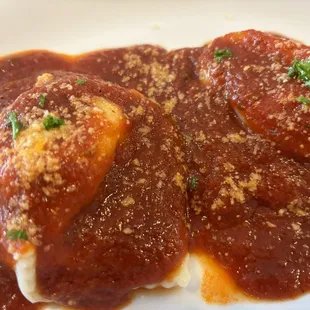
[15, 124]
[220, 54]
[193, 182]
[51, 122]
[300, 70]
[307, 125]
[188, 139]
[16, 234]
[42, 100]
[303, 100]
[80, 81]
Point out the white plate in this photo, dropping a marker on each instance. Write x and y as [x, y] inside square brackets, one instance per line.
[75, 26]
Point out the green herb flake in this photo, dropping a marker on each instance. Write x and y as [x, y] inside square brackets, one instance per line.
[220, 54]
[307, 125]
[193, 182]
[16, 234]
[42, 100]
[303, 100]
[188, 139]
[80, 81]
[300, 70]
[15, 124]
[51, 122]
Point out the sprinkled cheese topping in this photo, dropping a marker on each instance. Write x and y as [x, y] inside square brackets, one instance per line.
[128, 201]
[34, 151]
[160, 74]
[235, 189]
[261, 82]
[179, 181]
[59, 152]
[43, 79]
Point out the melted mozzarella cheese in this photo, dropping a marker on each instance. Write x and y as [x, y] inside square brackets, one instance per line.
[181, 277]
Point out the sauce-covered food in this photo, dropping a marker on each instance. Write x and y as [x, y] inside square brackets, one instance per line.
[117, 163]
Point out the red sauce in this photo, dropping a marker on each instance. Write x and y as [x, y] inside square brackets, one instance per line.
[248, 192]
[10, 296]
[132, 232]
[264, 61]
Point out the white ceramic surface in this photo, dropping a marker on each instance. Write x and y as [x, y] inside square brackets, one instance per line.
[75, 26]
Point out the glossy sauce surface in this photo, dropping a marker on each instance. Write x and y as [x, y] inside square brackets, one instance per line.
[10, 296]
[248, 195]
[250, 205]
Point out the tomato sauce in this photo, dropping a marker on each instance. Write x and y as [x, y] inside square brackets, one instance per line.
[248, 194]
